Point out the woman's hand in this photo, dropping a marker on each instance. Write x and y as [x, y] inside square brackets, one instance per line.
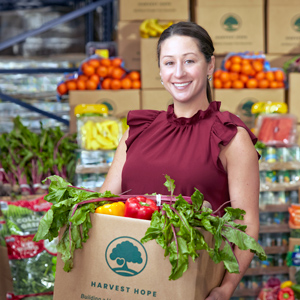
[217, 294]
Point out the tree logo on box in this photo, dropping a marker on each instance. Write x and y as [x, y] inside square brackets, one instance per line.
[296, 23]
[126, 256]
[231, 22]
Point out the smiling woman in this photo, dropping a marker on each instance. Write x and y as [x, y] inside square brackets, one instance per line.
[193, 142]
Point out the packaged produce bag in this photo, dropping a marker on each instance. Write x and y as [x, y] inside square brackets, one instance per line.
[113, 264]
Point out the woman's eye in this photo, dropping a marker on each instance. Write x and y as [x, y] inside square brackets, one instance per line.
[189, 61]
[168, 63]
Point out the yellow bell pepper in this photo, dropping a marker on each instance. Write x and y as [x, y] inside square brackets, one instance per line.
[285, 284]
[114, 209]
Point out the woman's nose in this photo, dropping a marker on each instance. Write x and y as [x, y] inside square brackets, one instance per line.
[180, 71]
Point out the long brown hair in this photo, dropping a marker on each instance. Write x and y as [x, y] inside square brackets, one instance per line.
[193, 30]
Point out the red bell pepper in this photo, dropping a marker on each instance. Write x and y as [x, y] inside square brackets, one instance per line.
[140, 207]
[286, 294]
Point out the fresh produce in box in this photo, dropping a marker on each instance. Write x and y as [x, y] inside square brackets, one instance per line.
[277, 129]
[114, 209]
[247, 70]
[96, 129]
[153, 28]
[100, 73]
[140, 207]
[26, 158]
[71, 207]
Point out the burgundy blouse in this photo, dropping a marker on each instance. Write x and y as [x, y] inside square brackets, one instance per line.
[186, 149]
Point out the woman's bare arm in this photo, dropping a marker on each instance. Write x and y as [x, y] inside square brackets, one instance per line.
[240, 160]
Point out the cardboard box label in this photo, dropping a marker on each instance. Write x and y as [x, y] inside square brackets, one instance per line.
[159, 9]
[283, 27]
[114, 265]
[232, 27]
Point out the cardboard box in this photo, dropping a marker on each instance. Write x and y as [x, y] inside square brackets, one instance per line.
[158, 99]
[6, 283]
[278, 60]
[130, 10]
[239, 102]
[283, 26]
[234, 25]
[294, 94]
[232, 98]
[149, 65]
[128, 38]
[113, 264]
[119, 102]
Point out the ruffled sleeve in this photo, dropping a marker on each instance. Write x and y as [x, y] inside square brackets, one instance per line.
[138, 121]
[223, 131]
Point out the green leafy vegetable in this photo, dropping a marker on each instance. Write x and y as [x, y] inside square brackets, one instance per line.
[71, 208]
[176, 228]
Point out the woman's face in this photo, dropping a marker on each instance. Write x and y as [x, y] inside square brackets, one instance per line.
[183, 69]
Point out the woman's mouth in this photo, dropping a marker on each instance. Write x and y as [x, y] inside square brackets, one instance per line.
[181, 85]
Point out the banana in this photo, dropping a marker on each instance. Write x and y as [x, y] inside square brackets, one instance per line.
[144, 26]
[154, 25]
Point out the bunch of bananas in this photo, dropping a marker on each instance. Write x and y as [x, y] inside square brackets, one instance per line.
[103, 135]
[152, 28]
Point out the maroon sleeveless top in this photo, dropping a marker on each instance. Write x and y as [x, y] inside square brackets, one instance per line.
[186, 149]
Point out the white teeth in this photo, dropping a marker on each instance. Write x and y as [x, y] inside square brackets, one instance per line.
[181, 84]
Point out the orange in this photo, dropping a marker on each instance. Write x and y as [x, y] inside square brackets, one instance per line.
[217, 83]
[106, 83]
[270, 76]
[280, 84]
[134, 75]
[244, 78]
[227, 65]
[245, 61]
[224, 76]
[235, 68]
[126, 83]
[95, 78]
[236, 59]
[102, 71]
[115, 84]
[88, 70]
[233, 76]
[252, 83]
[238, 84]
[246, 69]
[117, 73]
[273, 85]
[116, 62]
[94, 62]
[62, 89]
[82, 77]
[105, 62]
[257, 66]
[260, 76]
[263, 84]
[109, 71]
[91, 85]
[136, 84]
[279, 75]
[81, 84]
[227, 85]
[217, 73]
[71, 85]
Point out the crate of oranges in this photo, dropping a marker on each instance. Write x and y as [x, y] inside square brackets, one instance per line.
[247, 70]
[100, 73]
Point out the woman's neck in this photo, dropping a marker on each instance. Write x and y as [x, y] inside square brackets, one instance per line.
[187, 110]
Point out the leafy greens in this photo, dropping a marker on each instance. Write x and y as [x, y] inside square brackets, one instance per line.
[176, 228]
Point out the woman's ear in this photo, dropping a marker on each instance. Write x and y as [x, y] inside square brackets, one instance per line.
[211, 66]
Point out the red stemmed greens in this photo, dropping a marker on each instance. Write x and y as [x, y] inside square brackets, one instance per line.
[27, 158]
[176, 228]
